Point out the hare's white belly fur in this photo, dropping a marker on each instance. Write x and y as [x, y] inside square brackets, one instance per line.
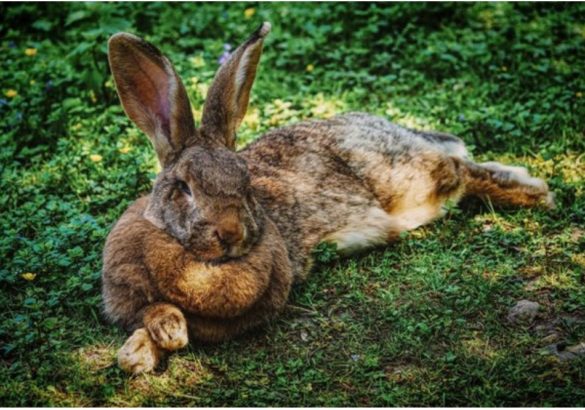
[376, 227]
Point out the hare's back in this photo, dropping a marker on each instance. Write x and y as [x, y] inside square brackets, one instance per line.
[369, 132]
[355, 131]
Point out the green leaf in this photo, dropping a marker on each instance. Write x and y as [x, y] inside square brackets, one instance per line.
[75, 17]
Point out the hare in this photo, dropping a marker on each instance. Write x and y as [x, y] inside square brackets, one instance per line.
[213, 250]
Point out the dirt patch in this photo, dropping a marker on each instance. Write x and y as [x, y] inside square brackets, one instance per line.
[181, 371]
[97, 357]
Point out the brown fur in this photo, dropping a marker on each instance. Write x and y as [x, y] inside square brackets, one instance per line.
[140, 353]
[217, 244]
[502, 189]
[166, 325]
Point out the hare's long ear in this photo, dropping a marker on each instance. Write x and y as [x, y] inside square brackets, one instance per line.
[152, 94]
[228, 96]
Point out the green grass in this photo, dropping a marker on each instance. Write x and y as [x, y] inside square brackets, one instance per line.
[420, 322]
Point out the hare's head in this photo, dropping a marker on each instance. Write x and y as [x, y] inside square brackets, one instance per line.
[203, 196]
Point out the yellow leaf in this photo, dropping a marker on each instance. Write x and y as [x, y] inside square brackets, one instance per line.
[202, 88]
[252, 119]
[29, 276]
[95, 157]
[197, 114]
[124, 150]
[31, 52]
[310, 68]
[11, 93]
[248, 13]
[198, 61]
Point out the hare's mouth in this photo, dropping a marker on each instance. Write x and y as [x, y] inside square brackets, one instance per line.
[217, 252]
[238, 250]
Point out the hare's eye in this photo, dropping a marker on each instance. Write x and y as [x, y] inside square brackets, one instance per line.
[182, 185]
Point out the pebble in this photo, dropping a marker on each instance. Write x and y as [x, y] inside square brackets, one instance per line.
[524, 311]
[567, 353]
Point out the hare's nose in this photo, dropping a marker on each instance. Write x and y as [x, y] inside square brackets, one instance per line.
[230, 233]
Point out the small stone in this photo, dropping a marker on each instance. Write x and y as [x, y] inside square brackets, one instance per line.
[576, 350]
[577, 234]
[524, 311]
[566, 353]
[545, 329]
[551, 337]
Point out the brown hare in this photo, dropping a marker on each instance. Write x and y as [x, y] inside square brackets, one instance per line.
[214, 248]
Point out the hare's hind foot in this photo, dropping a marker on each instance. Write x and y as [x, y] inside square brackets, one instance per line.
[139, 354]
[507, 185]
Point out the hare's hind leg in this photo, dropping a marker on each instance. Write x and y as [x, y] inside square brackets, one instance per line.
[506, 185]
[409, 192]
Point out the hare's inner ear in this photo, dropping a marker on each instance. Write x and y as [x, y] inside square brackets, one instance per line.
[228, 96]
[152, 94]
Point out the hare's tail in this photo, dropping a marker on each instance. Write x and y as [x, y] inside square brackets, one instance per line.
[506, 185]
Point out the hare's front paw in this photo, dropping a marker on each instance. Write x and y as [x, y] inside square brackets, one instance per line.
[139, 354]
[167, 327]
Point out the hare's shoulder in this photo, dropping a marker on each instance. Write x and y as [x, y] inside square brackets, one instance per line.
[131, 223]
[127, 241]
[135, 210]
[309, 136]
